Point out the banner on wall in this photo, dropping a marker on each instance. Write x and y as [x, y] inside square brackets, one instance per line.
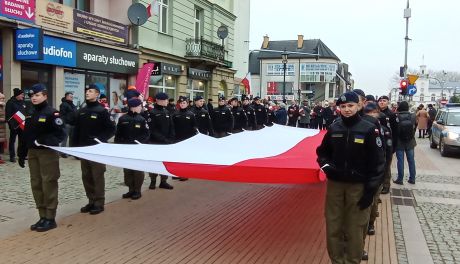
[18, 9]
[75, 83]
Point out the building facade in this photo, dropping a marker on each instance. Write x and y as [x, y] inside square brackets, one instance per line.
[313, 71]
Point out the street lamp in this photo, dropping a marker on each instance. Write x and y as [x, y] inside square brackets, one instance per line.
[284, 56]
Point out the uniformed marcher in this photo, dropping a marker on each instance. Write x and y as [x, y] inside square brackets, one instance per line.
[260, 112]
[202, 117]
[392, 125]
[250, 114]
[239, 116]
[44, 128]
[132, 127]
[161, 132]
[185, 125]
[93, 123]
[351, 155]
[222, 119]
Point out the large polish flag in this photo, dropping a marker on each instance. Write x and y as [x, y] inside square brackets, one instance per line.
[277, 154]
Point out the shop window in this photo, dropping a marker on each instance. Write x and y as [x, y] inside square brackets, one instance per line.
[276, 88]
[36, 73]
[195, 88]
[164, 84]
[82, 5]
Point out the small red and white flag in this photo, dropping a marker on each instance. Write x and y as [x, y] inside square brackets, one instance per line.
[20, 118]
[247, 83]
[152, 8]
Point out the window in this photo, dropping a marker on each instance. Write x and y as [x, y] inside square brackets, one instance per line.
[331, 90]
[433, 97]
[318, 72]
[422, 98]
[164, 84]
[276, 88]
[278, 69]
[196, 87]
[238, 91]
[77, 4]
[163, 16]
[197, 19]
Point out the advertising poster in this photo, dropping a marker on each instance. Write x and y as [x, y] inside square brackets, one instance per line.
[75, 83]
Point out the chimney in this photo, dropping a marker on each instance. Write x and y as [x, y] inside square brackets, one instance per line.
[265, 43]
[299, 41]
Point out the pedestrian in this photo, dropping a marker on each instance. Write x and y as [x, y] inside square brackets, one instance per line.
[202, 116]
[240, 118]
[271, 118]
[67, 111]
[304, 115]
[351, 156]
[93, 124]
[260, 113]
[15, 106]
[171, 107]
[3, 141]
[293, 114]
[362, 100]
[318, 116]
[132, 129]
[422, 118]
[209, 106]
[250, 113]
[405, 143]
[44, 128]
[432, 115]
[161, 132]
[328, 114]
[281, 115]
[222, 119]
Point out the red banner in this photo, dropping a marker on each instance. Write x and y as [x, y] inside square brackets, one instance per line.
[143, 79]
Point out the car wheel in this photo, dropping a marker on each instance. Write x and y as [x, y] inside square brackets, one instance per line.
[442, 148]
[433, 144]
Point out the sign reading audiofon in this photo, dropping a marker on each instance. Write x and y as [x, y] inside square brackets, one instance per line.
[63, 52]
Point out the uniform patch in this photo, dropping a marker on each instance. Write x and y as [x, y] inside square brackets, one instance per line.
[337, 135]
[187, 117]
[112, 119]
[359, 139]
[137, 126]
[149, 120]
[42, 119]
[93, 116]
[203, 115]
[58, 121]
[343, 98]
[378, 141]
[56, 114]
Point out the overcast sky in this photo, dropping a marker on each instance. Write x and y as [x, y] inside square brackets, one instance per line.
[367, 34]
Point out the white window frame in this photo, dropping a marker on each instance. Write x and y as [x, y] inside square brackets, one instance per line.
[197, 22]
[162, 5]
[318, 72]
[192, 91]
[163, 86]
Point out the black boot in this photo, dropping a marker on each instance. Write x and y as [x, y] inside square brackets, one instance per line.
[365, 255]
[152, 185]
[385, 190]
[165, 185]
[371, 230]
[96, 210]
[47, 224]
[128, 195]
[136, 195]
[39, 222]
[86, 208]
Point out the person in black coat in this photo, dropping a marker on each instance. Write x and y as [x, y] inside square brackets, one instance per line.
[44, 128]
[250, 113]
[67, 111]
[185, 125]
[222, 119]
[260, 112]
[132, 128]
[241, 120]
[202, 117]
[13, 105]
[161, 132]
[293, 114]
[281, 115]
[93, 122]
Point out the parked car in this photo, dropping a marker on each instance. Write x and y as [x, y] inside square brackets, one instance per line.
[445, 131]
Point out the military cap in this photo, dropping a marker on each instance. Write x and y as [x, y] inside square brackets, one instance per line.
[134, 102]
[348, 97]
[161, 96]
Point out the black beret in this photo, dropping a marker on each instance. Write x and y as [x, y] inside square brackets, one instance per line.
[256, 98]
[233, 99]
[182, 99]
[36, 88]
[95, 87]
[370, 97]
[221, 98]
[132, 94]
[134, 102]
[348, 97]
[198, 97]
[161, 96]
[384, 97]
[359, 92]
[370, 107]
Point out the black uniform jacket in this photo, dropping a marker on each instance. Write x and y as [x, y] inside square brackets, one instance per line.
[203, 120]
[160, 125]
[132, 126]
[251, 115]
[44, 126]
[261, 114]
[92, 121]
[241, 120]
[222, 119]
[185, 125]
[353, 149]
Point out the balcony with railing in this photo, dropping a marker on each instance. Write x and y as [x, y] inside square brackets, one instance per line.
[204, 50]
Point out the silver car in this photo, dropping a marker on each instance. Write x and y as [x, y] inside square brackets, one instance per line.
[445, 131]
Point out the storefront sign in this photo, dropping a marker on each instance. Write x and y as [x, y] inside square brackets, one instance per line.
[95, 26]
[172, 69]
[107, 60]
[18, 9]
[156, 71]
[54, 15]
[199, 74]
[28, 44]
[57, 51]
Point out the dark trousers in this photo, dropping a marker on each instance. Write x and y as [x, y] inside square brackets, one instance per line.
[153, 178]
[304, 125]
[13, 134]
[93, 180]
[314, 123]
[44, 175]
[387, 173]
[220, 134]
[133, 179]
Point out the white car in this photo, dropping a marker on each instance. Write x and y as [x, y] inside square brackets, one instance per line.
[445, 131]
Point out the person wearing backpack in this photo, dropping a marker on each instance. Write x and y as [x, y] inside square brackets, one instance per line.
[405, 142]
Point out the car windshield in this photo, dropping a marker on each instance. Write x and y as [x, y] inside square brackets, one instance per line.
[453, 119]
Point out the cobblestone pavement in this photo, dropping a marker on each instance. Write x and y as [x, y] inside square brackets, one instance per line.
[440, 222]
[15, 183]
